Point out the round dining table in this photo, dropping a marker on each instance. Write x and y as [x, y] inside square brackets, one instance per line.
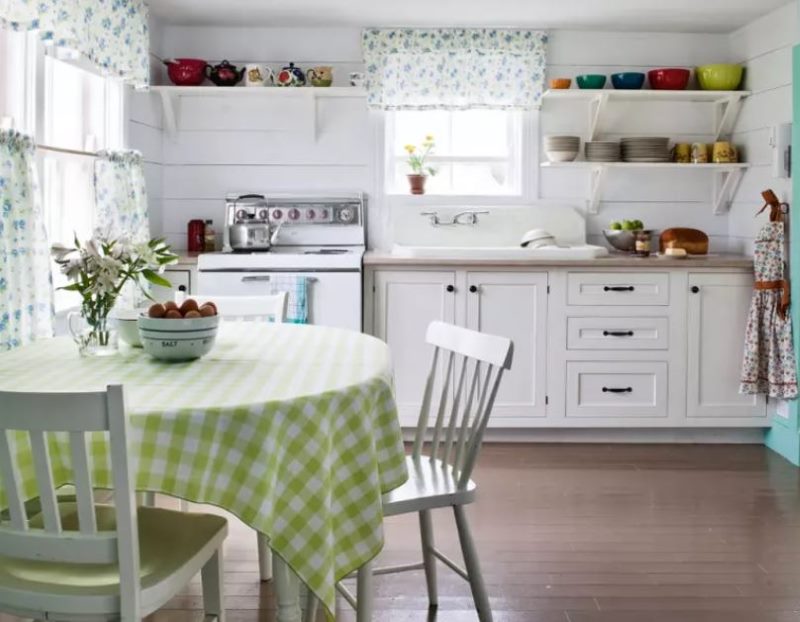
[291, 428]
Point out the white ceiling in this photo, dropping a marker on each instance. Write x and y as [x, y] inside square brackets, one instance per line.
[638, 15]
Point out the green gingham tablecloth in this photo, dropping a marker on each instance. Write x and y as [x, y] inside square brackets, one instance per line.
[291, 428]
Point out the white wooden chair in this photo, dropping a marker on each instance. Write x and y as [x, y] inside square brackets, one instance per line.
[80, 560]
[476, 363]
[249, 308]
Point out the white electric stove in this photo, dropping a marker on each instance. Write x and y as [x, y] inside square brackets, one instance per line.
[318, 237]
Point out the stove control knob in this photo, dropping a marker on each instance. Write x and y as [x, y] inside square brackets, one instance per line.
[262, 214]
[277, 214]
[294, 214]
[241, 214]
[310, 214]
[346, 214]
[323, 214]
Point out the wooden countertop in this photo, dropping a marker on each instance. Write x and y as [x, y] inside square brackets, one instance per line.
[615, 260]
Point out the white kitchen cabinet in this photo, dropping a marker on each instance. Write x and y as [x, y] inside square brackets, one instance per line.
[405, 302]
[514, 305]
[717, 315]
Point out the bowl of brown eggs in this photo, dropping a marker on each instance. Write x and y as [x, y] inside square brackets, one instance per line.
[172, 332]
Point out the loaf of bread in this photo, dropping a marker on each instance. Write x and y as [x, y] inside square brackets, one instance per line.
[694, 241]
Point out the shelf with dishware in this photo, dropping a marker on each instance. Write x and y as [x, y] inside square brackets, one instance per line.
[172, 96]
[727, 177]
[727, 103]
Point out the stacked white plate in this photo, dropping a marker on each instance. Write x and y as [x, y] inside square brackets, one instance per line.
[562, 148]
[645, 149]
[602, 151]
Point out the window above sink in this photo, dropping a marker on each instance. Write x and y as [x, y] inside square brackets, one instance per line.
[478, 152]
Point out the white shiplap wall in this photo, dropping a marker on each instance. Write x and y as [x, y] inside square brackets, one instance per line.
[258, 145]
[765, 48]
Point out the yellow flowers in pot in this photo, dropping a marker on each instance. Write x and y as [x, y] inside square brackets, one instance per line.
[417, 161]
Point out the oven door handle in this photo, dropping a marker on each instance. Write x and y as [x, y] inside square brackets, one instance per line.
[256, 279]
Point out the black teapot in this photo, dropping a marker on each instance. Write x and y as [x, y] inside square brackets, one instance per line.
[224, 74]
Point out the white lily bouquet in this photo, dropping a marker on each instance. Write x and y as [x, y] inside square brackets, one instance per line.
[99, 270]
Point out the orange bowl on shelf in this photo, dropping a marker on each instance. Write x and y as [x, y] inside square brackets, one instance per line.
[560, 83]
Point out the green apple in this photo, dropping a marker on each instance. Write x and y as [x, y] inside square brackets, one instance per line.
[615, 226]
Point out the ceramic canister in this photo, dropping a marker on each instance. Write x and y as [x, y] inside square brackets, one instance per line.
[682, 153]
[699, 153]
[723, 153]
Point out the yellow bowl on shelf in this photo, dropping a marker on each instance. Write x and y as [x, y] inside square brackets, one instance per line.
[720, 77]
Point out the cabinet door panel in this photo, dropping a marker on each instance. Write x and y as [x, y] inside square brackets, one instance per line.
[716, 324]
[178, 279]
[514, 305]
[405, 303]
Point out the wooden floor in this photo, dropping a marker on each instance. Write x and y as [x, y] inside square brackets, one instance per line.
[591, 533]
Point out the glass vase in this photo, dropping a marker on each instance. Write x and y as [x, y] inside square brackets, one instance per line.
[95, 336]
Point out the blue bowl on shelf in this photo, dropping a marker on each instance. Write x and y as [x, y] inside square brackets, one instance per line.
[627, 81]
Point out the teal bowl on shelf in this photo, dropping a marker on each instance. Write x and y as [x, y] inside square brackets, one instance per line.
[720, 77]
[630, 80]
[591, 81]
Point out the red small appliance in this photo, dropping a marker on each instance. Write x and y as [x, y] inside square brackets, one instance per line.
[196, 239]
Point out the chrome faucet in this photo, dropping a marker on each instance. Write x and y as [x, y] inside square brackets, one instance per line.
[468, 217]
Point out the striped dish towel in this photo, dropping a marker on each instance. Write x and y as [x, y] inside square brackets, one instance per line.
[297, 289]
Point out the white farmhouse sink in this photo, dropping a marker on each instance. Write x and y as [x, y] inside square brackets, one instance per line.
[557, 253]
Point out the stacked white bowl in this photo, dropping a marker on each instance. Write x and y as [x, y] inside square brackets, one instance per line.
[603, 151]
[562, 148]
[178, 339]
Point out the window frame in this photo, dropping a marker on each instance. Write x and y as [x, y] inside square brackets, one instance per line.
[523, 161]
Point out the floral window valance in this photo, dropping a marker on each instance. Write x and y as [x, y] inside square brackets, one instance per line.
[111, 33]
[454, 69]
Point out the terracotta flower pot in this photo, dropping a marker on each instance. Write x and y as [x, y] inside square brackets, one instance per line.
[417, 183]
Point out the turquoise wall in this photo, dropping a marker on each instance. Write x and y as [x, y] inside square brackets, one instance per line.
[784, 437]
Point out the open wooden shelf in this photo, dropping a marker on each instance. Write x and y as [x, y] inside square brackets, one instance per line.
[171, 96]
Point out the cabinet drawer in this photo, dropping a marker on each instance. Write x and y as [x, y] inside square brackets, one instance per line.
[617, 333]
[616, 389]
[616, 288]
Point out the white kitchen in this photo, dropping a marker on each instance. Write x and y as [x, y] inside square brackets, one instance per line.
[276, 277]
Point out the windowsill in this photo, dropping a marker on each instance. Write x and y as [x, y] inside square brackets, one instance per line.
[456, 200]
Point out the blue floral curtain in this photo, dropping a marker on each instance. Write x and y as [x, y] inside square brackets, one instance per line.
[112, 34]
[120, 195]
[454, 69]
[26, 289]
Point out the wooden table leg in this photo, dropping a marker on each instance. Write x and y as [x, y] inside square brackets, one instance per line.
[287, 591]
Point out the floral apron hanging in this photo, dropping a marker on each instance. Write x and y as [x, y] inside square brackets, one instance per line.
[769, 361]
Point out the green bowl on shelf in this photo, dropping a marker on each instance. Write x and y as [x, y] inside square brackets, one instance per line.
[720, 77]
[591, 81]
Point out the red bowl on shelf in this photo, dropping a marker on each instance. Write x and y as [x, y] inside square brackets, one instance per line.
[186, 71]
[669, 79]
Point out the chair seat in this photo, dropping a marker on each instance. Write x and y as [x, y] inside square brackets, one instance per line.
[169, 543]
[430, 485]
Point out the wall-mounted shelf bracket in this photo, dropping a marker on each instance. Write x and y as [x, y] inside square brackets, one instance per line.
[597, 106]
[726, 111]
[598, 181]
[725, 184]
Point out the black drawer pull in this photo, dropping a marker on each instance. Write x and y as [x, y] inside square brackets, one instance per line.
[617, 333]
[451, 288]
[617, 390]
[618, 288]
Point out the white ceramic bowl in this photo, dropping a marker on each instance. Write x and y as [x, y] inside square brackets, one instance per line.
[178, 340]
[127, 325]
[561, 156]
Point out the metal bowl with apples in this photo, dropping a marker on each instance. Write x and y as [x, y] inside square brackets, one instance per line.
[622, 235]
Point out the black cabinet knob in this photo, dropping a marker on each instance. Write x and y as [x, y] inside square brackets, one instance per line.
[451, 288]
[473, 288]
[695, 289]
[181, 288]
